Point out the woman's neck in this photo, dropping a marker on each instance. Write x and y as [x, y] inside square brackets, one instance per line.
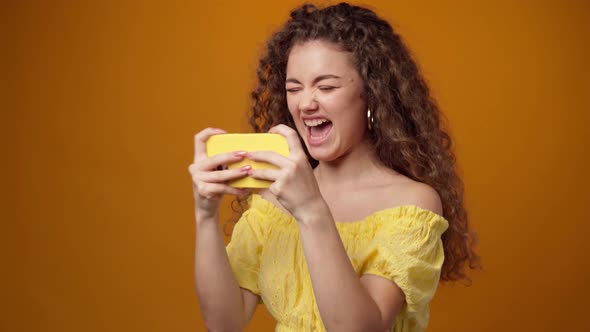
[359, 168]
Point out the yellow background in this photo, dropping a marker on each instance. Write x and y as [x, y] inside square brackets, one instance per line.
[100, 102]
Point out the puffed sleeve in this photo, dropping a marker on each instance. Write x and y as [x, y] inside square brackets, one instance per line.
[408, 250]
[245, 248]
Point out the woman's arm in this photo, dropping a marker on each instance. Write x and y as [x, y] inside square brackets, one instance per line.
[345, 301]
[224, 305]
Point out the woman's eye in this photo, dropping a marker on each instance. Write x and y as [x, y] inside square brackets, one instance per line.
[327, 88]
[292, 90]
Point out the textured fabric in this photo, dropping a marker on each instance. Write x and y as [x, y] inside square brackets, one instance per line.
[402, 244]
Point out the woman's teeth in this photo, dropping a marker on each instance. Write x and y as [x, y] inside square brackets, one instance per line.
[314, 122]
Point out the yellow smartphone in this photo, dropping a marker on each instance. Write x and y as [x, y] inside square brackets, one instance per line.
[224, 143]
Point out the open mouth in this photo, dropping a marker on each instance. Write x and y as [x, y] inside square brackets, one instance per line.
[318, 130]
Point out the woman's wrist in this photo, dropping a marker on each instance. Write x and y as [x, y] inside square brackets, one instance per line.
[206, 217]
[317, 212]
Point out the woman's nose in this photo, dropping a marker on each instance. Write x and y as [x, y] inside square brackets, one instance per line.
[308, 102]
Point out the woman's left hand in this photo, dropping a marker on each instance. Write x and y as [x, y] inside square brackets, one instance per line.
[294, 183]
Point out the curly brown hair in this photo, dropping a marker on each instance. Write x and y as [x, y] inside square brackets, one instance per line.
[407, 133]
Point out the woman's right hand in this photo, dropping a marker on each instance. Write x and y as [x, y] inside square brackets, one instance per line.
[210, 177]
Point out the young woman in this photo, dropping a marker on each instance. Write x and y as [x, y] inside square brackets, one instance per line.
[365, 215]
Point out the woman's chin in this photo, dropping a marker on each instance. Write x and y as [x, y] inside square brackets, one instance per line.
[322, 155]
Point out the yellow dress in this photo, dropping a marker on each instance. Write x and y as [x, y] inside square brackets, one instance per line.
[402, 244]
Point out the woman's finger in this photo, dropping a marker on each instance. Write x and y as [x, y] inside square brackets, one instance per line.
[210, 190]
[268, 174]
[225, 175]
[292, 137]
[201, 140]
[213, 162]
[270, 157]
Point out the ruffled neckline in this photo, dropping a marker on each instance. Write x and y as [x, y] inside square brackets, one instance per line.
[278, 215]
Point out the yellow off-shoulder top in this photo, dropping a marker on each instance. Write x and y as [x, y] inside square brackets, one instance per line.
[402, 244]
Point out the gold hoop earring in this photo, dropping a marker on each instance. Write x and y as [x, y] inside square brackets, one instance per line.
[369, 119]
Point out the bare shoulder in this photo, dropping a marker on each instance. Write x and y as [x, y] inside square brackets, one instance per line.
[410, 192]
[423, 196]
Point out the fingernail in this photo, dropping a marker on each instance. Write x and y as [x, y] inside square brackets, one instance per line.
[240, 153]
[245, 168]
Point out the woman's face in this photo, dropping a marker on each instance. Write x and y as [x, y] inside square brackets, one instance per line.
[325, 95]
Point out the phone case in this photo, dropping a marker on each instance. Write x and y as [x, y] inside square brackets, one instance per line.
[224, 143]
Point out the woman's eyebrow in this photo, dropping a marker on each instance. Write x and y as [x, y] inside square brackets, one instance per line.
[316, 80]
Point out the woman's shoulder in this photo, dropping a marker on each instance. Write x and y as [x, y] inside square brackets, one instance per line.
[395, 191]
[413, 193]
[403, 196]
[412, 203]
